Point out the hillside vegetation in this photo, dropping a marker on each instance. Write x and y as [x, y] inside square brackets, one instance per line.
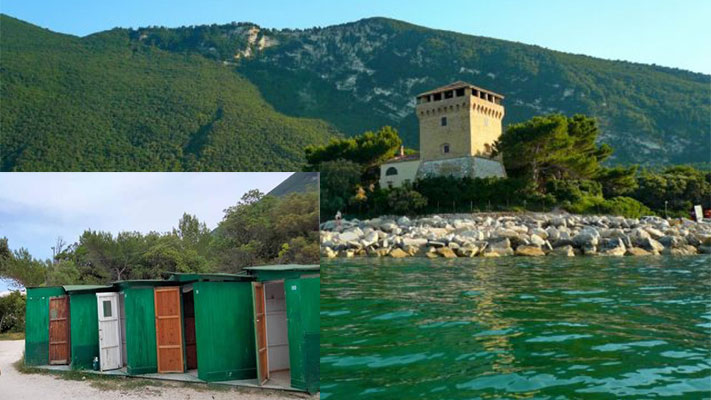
[104, 102]
[364, 75]
[233, 96]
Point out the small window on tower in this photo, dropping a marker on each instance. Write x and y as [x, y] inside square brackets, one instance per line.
[448, 94]
[391, 171]
[460, 92]
[443, 121]
[445, 148]
[437, 96]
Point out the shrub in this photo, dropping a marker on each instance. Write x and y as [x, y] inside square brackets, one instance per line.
[405, 200]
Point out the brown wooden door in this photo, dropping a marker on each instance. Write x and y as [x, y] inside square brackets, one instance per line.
[59, 330]
[260, 330]
[189, 321]
[169, 330]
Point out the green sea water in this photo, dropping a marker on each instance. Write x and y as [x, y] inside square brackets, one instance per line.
[516, 328]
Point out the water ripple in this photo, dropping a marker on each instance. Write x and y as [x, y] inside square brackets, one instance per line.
[596, 328]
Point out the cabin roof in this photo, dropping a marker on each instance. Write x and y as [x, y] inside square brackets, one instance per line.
[284, 267]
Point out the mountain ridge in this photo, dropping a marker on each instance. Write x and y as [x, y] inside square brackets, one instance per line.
[361, 75]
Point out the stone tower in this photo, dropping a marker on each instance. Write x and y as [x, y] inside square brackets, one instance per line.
[458, 120]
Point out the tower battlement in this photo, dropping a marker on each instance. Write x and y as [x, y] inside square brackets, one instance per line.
[458, 120]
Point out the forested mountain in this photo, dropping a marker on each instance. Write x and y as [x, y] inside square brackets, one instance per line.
[202, 96]
[298, 182]
[107, 102]
[365, 74]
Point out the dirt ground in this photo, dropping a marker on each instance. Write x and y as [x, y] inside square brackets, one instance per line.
[16, 385]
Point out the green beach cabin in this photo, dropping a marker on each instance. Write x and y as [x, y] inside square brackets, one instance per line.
[286, 301]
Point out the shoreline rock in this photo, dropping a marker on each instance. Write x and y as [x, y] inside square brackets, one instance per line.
[509, 234]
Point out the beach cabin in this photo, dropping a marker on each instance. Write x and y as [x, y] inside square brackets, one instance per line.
[60, 325]
[199, 324]
[256, 328]
[286, 301]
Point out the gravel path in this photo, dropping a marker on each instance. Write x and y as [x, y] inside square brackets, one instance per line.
[14, 385]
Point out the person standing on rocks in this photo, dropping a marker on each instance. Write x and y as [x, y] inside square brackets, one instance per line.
[338, 220]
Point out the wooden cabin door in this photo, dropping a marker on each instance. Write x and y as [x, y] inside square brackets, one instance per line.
[260, 332]
[109, 331]
[189, 322]
[59, 330]
[169, 329]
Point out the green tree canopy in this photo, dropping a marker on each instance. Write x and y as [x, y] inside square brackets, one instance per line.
[553, 147]
[368, 149]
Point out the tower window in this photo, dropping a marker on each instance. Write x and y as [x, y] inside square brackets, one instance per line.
[460, 92]
[445, 148]
[448, 94]
[443, 121]
[391, 171]
[437, 96]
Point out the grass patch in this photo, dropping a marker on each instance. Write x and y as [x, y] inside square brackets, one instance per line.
[103, 382]
[12, 336]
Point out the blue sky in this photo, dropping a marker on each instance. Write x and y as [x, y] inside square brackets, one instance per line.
[36, 208]
[669, 33]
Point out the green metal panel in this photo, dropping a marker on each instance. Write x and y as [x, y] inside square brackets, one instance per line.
[140, 330]
[303, 320]
[84, 328]
[224, 330]
[37, 324]
[258, 365]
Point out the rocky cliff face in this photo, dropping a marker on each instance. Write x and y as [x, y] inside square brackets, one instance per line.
[365, 74]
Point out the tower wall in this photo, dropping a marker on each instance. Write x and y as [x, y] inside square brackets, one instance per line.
[473, 123]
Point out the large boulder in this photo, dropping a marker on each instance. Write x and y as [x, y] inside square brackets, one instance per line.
[537, 240]
[654, 233]
[672, 241]
[499, 248]
[499, 244]
[414, 241]
[328, 252]
[529, 251]
[398, 253]
[404, 221]
[650, 245]
[586, 238]
[564, 251]
[559, 221]
[552, 233]
[446, 252]
[473, 234]
[369, 239]
[349, 235]
[506, 233]
[542, 233]
[613, 247]
[636, 251]
[683, 250]
[589, 250]
[638, 235]
[469, 250]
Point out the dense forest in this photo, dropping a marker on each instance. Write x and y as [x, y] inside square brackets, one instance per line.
[258, 230]
[105, 102]
[239, 97]
[552, 162]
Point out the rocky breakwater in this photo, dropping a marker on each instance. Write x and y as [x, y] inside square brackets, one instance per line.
[496, 235]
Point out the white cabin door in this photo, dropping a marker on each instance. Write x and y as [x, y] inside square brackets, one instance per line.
[109, 331]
